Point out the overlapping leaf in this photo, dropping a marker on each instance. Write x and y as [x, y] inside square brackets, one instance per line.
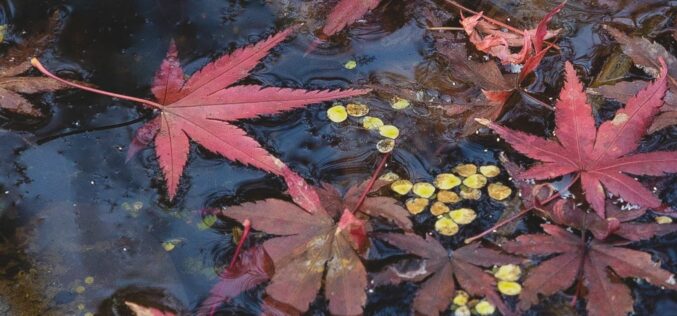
[599, 264]
[441, 270]
[602, 157]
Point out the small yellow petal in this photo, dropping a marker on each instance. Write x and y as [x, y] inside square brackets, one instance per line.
[357, 109]
[446, 181]
[508, 272]
[448, 197]
[509, 288]
[399, 103]
[499, 191]
[475, 181]
[389, 176]
[89, 280]
[446, 226]
[350, 65]
[389, 131]
[385, 145]
[370, 122]
[463, 216]
[462, 311]
[416, 205]
[401, 187]
[663, 220]
[337, 113]
[438, 208]
[470, 193]
[490, 171]
[80, 289]
[424, 189]
[465, 170]
[485, 308]
[461, 298]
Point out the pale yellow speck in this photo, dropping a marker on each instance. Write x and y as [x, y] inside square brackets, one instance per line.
[389, 176]
[509, 288]
[389, 131]
[463, 216]
[470, 193]
[416, 205]
[337, 113]
[490, 171]
[446, 181]
[475, 181]
[398, 103]
[424, 189]
[385, 145]
[465, 170]
[461, 298]
[80, 289]
[485, 308]
[438, 208]
[138, 205]
[448, 197]
[446, 226]
[499, 191]
[401, 187]
[663, 220]
[620, 118]
[89, 280]
[370, 122]
[462, 311]
[508, 272]
[350, 65]
[81, 306]
[357, 109]
[168, 246]
[89, 314]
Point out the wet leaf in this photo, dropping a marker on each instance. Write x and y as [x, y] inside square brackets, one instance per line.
[203, 107]
[602, 157]
[345, 13]
[442, 270]
[591, 261]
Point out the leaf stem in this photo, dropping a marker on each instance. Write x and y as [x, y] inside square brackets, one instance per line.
[374, 176]
[36, 63]
[495, 22]
[247, 227]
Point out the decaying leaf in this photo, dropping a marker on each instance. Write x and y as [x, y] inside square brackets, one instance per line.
[312, 249]
[202, 107]
[597, 263]
[251, 269]
[645, 54]
[15, 63]
[603, 156]
[440, 270]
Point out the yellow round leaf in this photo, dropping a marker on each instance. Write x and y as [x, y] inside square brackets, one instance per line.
[485, 308]
[446, 226]
[475, 181]
[438, 208]
[370, 122]
[448, 197]
[509, 288]
[389, 131]
[463, 216]
[385, 145]
[446, 181]
[357, 109]
[499, 191]
[465, 170]
[490, 171]
[508, 272]
[416, 205]
[337, 113]
[424, 189]
[401, 187]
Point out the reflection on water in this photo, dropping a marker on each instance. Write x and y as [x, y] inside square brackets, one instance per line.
[82, 231]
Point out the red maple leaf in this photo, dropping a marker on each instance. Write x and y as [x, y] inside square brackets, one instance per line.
[440, 267]
[345, 13]
[589, 261]
[601, 157]
[202, 107]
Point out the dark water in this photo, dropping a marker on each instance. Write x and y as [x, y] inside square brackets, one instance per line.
[71, 208]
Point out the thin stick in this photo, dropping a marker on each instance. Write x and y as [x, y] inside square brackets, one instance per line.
[496, 22]
[445, 28]
[521, 213]
[247, 227]
[36, 63]
[374, 176]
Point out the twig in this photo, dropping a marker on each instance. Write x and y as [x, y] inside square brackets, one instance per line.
[445, 28]
[247, 227]
[496, 22]
[374, 176]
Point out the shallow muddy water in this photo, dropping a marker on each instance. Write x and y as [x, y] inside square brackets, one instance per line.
[81, 230]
